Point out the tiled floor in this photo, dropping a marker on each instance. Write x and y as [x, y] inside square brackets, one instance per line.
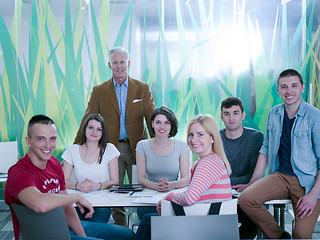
[6, 229]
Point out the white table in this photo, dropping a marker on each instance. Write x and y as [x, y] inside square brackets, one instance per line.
[105, 198]
[148, 197]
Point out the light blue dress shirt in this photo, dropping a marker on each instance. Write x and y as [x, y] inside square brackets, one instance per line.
[121, 92]
[305, 142]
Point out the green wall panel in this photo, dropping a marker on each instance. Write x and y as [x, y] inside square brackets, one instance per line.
[192, 53]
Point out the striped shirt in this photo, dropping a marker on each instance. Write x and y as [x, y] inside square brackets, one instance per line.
[209, 183]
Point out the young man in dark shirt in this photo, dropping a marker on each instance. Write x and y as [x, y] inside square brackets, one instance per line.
[241, 146]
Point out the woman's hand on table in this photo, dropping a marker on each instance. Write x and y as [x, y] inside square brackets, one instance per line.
[96, 186]
[163, 185]
[87, 185]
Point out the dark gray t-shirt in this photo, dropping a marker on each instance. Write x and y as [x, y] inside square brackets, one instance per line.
[162, 166]
[242, 154]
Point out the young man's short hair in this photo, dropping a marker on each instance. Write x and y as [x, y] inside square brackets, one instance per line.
[289, 73]
[38, 119]
[232, 101]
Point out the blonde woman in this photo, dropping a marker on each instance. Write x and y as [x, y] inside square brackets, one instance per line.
[209, 180]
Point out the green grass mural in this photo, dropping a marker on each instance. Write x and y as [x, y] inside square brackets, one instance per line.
[54, 73]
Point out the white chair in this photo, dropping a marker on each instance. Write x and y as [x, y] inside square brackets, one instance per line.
[196, 224]
[134, 174]
[9, 156]
[227, 208]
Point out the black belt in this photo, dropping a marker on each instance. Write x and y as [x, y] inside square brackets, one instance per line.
[124, 140]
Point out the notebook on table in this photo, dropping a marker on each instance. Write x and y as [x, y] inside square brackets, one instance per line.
[126, 187]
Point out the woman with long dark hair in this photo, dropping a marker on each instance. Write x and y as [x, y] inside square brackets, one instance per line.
[93, 163]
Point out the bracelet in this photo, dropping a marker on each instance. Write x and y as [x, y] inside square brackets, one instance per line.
[100, 186]
[76, 186]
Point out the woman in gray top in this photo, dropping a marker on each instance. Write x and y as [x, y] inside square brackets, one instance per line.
[162, 158]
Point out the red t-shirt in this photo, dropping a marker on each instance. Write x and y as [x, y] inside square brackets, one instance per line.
[24, 174]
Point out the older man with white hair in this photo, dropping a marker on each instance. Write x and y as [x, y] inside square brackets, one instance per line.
[124, 103]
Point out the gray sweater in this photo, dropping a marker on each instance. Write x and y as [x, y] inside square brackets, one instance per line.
[242, 154]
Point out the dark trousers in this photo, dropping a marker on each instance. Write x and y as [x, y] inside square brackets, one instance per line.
[248, 229]
[125, 162]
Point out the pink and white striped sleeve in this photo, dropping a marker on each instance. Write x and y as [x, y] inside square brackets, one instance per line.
[206, 173]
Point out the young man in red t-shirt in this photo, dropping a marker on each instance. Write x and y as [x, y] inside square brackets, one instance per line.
[37, 181]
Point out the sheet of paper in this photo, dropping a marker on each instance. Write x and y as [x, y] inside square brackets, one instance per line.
[121, 194]
[235, 193]
[143, 194]
[151, 200]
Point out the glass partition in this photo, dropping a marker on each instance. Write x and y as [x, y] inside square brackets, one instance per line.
[193, 54]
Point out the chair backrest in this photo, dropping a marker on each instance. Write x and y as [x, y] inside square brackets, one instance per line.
[227, 207]
[196, 224]
[134, 174]
[209, 227]
[9, 155]
[49, 225]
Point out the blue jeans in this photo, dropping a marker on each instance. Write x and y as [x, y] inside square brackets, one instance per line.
[101, 214]
[141, 211]
[95, 230]
[144, 230]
